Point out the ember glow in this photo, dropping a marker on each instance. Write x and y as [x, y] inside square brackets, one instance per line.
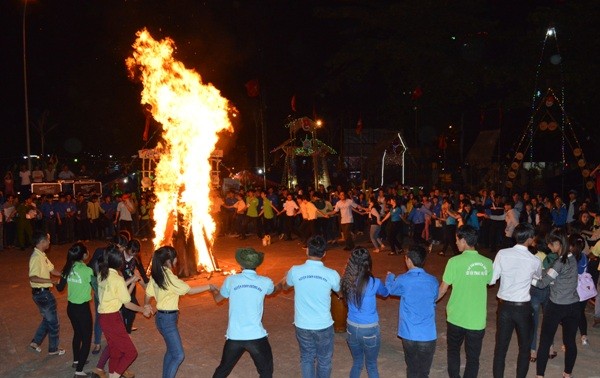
[192, 114]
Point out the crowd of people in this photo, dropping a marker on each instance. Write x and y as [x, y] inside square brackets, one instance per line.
[541, 246]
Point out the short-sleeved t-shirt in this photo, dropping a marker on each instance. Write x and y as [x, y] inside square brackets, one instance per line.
[112, 293]
[80, 283]
[345, 208]
[246, 293]
[290, 208]
[469, 274]
[268, 209]
[313, 283]
[252, 210]
[40, 266]
[167, 299]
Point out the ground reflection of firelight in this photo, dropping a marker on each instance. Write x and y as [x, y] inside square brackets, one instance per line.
[191, 114]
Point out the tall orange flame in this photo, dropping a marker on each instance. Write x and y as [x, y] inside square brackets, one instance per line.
[192, 114]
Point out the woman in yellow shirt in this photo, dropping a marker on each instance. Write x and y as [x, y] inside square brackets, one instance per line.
[166, 288]
[113, 293]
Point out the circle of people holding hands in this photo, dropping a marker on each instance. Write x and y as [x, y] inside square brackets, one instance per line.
[542, 268]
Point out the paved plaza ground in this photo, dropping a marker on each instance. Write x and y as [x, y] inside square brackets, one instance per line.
[202, 323]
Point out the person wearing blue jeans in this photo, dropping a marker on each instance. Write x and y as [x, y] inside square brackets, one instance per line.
[40, 271]
[360, 289]
[166, 288]
[418, 291]
[313, 283]
[245, 332]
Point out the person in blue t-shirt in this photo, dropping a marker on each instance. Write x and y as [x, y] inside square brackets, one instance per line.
[313, 283]
[245, 332]
[360, 289]
[416, 322]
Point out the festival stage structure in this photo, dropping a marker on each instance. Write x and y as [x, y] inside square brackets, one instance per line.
[303, 142]
[191, 114]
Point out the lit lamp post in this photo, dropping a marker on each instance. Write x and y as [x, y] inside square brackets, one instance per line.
[25, 87]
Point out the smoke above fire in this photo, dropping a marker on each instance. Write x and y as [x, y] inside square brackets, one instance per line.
[192, 115]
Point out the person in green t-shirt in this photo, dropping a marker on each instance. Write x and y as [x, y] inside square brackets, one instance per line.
[469, 274]
[267, 213]
[252, 214]
[77, 276]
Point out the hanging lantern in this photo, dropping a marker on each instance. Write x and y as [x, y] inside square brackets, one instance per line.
[549, 101]
[556, 59]
[512, 174]
[509, 184]
[552, 126]
[514, 166]
[589, 184]
[585, 173]
[577, 152]
[543, 125]
[519, 156]
[581, 163]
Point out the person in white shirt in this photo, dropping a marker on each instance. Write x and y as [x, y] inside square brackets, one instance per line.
[345, 206]
[309, 219]
[290, 207]
[511, 217]
[515, 267]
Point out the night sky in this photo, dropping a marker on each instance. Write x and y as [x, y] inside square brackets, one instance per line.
[475, 62]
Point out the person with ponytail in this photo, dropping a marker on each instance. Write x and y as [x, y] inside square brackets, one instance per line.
[77, 277]
[360, 289]
[114, 292]
[133, 263]
[563, 306]
[166, 288]
[121, 240]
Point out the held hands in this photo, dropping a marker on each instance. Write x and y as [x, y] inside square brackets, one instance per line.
[148, 311]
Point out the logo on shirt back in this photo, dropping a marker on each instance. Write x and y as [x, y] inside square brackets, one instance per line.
[247, 287]
[312, 276]
[477, 269]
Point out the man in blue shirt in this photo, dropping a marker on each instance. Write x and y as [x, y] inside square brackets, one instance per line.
[313, 283]
[416, 322]
[245, 332]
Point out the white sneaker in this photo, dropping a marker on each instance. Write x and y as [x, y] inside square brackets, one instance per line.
[584, 341]
[58, 352]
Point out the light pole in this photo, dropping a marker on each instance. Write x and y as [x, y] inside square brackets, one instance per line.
[25, 87]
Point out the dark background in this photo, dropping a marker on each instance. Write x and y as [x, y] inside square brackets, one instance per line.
[475, 61]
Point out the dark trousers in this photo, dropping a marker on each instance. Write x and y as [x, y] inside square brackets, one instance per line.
[80, 316]
[128, 315]
[255, 222]
[289, 226]
[307, 229]
[260, 351]
[496, 234]
[395, 236]
[473, 340]
[417, 231]
[568, 317]
[50, 228]
[513, 317]
[418, 356]
[450, 239]
[347, 232]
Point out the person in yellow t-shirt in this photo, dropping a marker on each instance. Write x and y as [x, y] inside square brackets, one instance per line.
[166, 288]
[114, 292]
[40, 272]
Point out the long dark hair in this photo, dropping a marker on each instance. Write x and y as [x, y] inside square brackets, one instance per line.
[159, 259]
[357, 275]
[74, 254]
[559, 235]
[576, 245]
[111, 258]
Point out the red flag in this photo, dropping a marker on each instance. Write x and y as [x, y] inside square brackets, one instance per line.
[252, 88]
[359, 125]
[293, 103]
[417, 93]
